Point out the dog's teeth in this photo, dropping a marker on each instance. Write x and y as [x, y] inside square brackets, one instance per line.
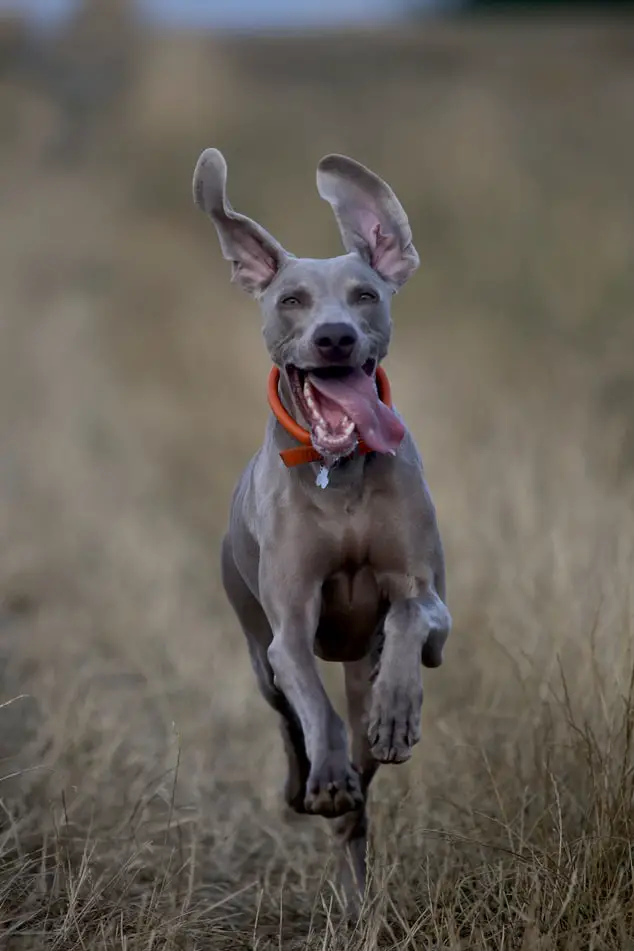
[318, 417]
[323, 435]
[333, 441]
[311, 404]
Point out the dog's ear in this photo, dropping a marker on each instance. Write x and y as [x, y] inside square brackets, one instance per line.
[256, 257]
[370, 217]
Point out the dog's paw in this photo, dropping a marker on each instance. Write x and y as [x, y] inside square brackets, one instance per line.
[333, 787]
[394, 720]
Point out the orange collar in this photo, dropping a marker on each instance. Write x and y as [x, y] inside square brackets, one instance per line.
[306, 452]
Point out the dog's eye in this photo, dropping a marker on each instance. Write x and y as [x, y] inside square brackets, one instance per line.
[290, 301]
[366, 296]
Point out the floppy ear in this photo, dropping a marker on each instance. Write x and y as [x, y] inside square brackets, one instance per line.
[370, 217]
[255, 256]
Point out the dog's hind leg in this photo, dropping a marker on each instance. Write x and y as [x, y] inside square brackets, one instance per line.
[258, 634]
[351, 830]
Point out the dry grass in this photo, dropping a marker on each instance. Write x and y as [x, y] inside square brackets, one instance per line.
[140, 776]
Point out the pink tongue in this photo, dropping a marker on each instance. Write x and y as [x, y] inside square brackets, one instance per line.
[357, 396]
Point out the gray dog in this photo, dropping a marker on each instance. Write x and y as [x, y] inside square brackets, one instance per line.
[333, 549]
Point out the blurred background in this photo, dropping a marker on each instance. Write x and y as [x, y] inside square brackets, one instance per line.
[140, 769]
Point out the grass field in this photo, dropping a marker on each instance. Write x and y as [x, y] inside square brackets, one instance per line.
[141, 772]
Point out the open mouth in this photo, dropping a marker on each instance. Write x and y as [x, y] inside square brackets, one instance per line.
[341, 405]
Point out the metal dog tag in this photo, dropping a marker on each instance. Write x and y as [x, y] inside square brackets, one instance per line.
[322, 477]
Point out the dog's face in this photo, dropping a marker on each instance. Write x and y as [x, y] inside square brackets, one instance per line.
[332, 313]
[326, 323]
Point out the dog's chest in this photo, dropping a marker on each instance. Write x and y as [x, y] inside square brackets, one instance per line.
[363, 531]
[364, 545]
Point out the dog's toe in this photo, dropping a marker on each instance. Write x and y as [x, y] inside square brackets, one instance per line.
[333, 788]
[394, 722]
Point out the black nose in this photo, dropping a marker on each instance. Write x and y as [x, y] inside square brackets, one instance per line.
[335, 341]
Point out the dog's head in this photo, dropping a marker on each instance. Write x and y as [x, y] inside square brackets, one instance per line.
[327, 322]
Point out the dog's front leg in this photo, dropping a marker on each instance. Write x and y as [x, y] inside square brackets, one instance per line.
[333, 787]
[415, 629]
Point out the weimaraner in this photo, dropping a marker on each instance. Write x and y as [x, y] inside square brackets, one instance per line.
[333, 550]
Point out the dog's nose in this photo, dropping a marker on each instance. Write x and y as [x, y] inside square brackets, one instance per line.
[335, 341]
